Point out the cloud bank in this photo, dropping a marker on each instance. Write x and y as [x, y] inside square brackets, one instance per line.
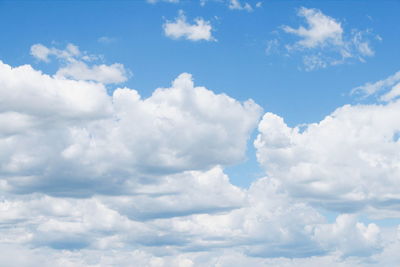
[90, 178]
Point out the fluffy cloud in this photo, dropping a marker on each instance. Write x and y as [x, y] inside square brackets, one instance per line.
[179, 195]
[321, 30]
[76, 67]
[180, 28]
[324, 42]
[346, 162]
[349, 236]
[114, 73]
[27, 93]
[92, 179]
[64, 135]
[267, 226]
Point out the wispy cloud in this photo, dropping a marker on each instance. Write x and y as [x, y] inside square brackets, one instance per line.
[324, 42]
[388, 89]
[165, 1]
[321, 31]
[75, 64]
[237, 5]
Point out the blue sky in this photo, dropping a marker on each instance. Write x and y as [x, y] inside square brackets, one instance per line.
[270, 138]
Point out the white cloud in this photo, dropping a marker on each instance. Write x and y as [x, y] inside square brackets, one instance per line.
[166, 1]
[346, 162]
[267, 225]
[42, 52]
[180, 28]
[76, 68]
[235, 4]
[349, 236]
[390, 85]
[321, 30]
[114, 73]
[34, 98]
[70, 134]
[180, 195]
[89, 179]
[324, 42]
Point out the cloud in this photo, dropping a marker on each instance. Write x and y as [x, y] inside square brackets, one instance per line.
[70, 137]
[268, 225]
[390, 85]
[321, 30]
[92, 179]
[349, 236]
[114, 73]
[75, 66]
[346, 162]
[106, 40]
[236, 5]
[42, 52]
[180, 195]
[34, 98]
[166, 1]
[324, 42]
[200, 30]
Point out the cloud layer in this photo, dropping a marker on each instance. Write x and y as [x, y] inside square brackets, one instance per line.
[96, 179]
[66, 134]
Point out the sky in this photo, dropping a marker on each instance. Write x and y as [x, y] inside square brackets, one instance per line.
[199, 133]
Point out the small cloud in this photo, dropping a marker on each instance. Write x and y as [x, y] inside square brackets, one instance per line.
[272, 46]
[324, 42]
[180, 28]
[75, 64]
[321, 30]
[390, 87]
[165, 1]
[106, 40]
[114, 73]
[237, 5]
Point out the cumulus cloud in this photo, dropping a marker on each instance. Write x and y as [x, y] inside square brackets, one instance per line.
[180, 28]
[180, 195]
[92, 179]
[345, 162]
[63, 135]
[76, 67]
[349, 236]
[324, 42]
[267, 225]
